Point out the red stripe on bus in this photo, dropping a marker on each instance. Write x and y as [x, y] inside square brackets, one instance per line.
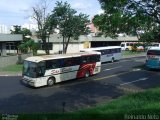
[84, 68]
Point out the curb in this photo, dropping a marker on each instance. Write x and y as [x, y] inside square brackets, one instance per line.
[124, 57]
[6, 75]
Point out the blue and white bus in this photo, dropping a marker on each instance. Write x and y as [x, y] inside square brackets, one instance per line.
[108, 54]
[153, 58]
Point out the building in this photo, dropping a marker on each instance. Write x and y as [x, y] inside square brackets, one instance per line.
[107, 41]
[31, 27]
[3, 29]
[94, 31]
[55, 43]
[9, 43]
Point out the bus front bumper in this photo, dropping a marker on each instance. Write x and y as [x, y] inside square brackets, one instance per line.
[153, 67]
[28, 81]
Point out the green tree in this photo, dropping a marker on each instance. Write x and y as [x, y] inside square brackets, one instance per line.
[128, 16]
[26, 34]
[24, 31]
[29, 45]
[16, 30]
[151, 36]
[69, 23]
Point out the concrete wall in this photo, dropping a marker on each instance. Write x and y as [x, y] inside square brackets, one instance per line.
[72, 48]
[11, 60]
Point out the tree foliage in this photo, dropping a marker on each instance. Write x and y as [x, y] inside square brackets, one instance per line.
[26, 34]
[128, 16]
[29, 45]
[16, 30]
[41, 16]
[24, 31]
[69, 23]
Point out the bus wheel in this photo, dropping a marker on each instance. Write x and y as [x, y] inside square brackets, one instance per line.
[127, 49]
[87, 74]
[112, 60]
[51, 81]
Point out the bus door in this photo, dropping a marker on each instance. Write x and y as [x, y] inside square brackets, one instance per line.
[41, 68]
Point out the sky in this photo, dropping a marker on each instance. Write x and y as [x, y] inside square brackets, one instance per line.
[18, 12]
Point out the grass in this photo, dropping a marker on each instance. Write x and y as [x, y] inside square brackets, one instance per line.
[143, 104]
[12, 68]
[130, 53]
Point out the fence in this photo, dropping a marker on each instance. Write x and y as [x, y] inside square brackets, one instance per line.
[11, 60]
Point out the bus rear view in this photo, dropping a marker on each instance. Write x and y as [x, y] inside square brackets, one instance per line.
[153, 58]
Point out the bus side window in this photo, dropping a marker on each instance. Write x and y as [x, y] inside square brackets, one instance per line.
[115, 50]
[52, 64]
[107, 51]
[85, 59]
[68, 62]
[112, 50]
[76, 60]
[95, 58]
[55, 64]
[122, 45]
[103, 52]
[119, 50]
[41, 69]
[48, 64]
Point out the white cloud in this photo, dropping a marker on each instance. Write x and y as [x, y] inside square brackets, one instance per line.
[100, 11]
[81, 6]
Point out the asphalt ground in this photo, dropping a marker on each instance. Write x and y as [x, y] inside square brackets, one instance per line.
[115, 80]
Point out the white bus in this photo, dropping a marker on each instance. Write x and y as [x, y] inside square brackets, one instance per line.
[153, 58]
[108, 54]
[50, 69]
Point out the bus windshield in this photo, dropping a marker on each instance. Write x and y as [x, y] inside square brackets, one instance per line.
[32, 69]
[29, 69]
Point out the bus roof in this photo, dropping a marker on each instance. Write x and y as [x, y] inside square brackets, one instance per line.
[58, 56]
[101, 48]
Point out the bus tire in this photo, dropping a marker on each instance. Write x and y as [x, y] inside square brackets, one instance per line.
[112, 60]
[50, 81]
[127, 49]
[87, 74]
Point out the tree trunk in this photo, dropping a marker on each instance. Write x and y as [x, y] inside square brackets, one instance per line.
[63, 44]
[45, 46]
[67, 44]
